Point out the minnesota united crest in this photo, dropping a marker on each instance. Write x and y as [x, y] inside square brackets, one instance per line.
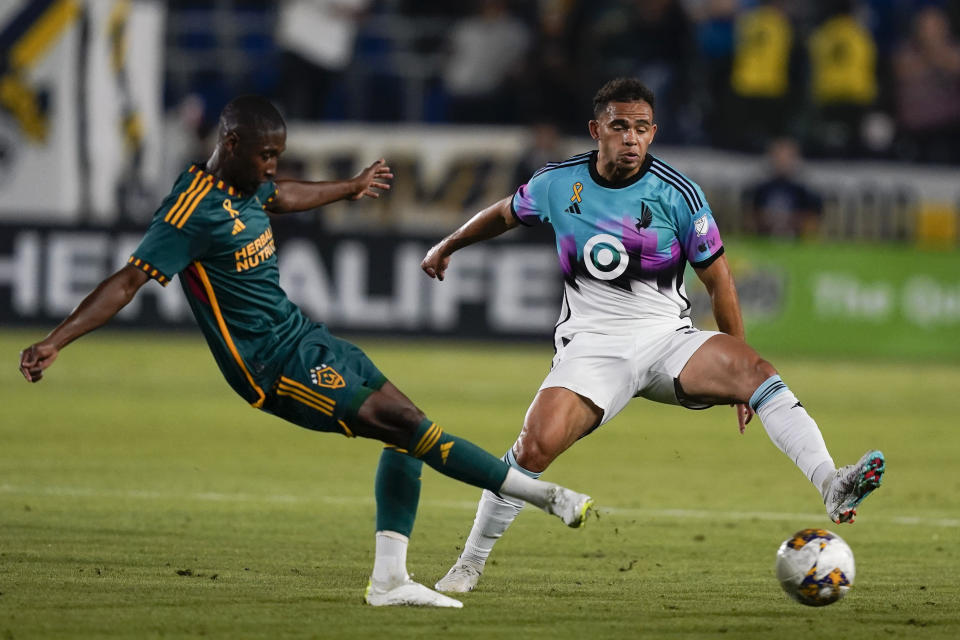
[646, 217]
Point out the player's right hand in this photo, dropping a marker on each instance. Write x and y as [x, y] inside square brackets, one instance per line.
[744, 415]
[435, 262]
[35, 358]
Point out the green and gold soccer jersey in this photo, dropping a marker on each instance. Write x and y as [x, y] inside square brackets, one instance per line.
[220, 242]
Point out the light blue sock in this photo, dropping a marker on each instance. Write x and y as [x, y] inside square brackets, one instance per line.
[511, 460]
[766, 391]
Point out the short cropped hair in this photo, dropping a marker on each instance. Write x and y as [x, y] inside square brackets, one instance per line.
[250, 114]
[621, 90]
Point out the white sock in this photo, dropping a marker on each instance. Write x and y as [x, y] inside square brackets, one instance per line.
[521, 486]
[390, 562]
[795, 433]
[494, 515]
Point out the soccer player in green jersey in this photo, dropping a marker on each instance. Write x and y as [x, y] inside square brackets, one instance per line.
[213, 230]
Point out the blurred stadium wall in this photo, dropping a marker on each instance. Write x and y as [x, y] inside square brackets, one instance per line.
[103, 101]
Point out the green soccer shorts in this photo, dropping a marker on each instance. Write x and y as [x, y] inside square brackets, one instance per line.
[323, 383]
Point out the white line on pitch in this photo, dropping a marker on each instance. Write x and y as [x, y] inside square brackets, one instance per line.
[210, 496]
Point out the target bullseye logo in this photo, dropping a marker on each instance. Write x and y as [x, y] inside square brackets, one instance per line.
[605, 257]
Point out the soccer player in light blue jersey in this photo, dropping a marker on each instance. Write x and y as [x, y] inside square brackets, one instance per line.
[627, 224]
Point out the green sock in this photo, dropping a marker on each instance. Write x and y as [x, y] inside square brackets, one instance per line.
[457, 458]
[397, 489]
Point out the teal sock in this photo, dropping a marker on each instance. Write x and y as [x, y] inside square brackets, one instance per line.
[397, 489]
[457, 458]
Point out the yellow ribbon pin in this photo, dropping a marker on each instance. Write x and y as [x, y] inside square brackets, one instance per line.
[229, 207]
[577, 188]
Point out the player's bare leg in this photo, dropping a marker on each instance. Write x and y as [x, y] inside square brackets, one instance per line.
[555, 420]
[727, 370]
[391, 417]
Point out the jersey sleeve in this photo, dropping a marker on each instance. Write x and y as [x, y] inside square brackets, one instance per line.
[529, 204]
[697, 230]
[175, 238]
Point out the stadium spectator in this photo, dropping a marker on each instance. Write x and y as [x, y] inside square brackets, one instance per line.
[927, 81]
[652, 40]
[316, 38]
[550, 81]
[715, 20]
[782, 205]
[485, 52]
[761, 78]
[843, 79]
[544, 148]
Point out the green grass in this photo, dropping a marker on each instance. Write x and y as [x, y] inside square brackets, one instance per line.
[140, 498]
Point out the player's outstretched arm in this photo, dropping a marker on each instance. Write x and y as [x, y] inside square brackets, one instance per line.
[97, 308]
[718, 281]
[488, 223]
[298, 195]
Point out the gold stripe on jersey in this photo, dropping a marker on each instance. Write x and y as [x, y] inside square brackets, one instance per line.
[221, 323]
[180, 218]
[307, 390]
[429, 439]
[183, 196]
[282, 391]
[221, 185]
[347, 431]
[293, 390]
[148, 269]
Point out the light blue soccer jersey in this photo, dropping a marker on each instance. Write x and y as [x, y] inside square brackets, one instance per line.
[623, 247]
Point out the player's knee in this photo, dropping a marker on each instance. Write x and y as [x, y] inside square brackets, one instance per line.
[534, 454]
[387, 413]
[758, 371]
[763, 369]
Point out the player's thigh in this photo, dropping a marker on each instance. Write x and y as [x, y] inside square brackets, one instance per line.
[598, 368]
[556, 419]
[323, 384]
[663, 356]
[724, 369]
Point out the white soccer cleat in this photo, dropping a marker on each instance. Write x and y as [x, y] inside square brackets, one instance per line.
[408, 594]
[571, 507]
[852, 484]
[461, 578]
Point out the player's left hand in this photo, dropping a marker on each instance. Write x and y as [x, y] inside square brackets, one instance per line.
[35, 358]
[372, 180]
[744, 415]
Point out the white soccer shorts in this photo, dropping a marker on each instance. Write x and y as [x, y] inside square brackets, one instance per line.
[612, 369]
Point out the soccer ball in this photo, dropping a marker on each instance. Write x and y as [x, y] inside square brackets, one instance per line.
[815, 567]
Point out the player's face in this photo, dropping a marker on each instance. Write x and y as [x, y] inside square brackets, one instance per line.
[254, 161]
[623, 132]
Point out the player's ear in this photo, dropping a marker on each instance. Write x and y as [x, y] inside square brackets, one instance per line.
[653, 131]
[594, 127]
[231, 140]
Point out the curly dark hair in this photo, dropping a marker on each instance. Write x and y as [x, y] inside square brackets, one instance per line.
[622, 90]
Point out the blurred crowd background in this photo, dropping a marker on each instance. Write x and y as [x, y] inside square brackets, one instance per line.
[825, 135]
[841, 78]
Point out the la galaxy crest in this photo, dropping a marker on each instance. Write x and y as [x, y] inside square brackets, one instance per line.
[327, 377]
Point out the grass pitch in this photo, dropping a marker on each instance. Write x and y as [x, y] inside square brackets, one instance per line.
[140, 498]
